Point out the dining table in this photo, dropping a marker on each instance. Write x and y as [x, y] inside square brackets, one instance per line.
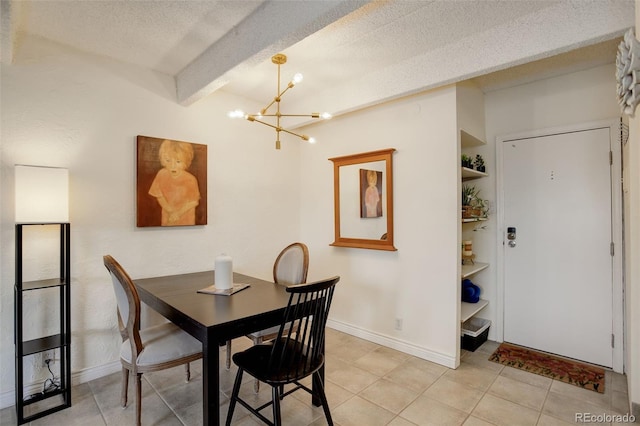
[214, 319]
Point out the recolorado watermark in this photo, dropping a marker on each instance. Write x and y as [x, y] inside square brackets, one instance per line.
[604, 418]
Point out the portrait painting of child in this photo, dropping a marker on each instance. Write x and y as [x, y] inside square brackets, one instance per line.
[171, 183]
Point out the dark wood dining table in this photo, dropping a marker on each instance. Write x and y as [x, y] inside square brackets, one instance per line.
[214, 319]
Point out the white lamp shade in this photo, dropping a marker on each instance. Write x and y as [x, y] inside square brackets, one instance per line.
[42, 194]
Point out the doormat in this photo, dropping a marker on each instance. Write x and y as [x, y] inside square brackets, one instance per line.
[562, 369]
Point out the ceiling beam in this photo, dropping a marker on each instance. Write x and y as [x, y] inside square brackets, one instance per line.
[272, 27]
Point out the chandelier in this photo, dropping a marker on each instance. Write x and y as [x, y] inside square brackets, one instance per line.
[280, 59]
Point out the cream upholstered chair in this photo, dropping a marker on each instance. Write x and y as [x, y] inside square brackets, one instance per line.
[155, 348]
[290, 268]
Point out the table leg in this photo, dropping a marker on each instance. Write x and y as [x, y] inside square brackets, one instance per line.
[210, 383]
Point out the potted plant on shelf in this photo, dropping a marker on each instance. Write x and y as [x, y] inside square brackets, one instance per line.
[466, 161]
[479, 163]
[469, 193]
[480, 208]
[472, 205]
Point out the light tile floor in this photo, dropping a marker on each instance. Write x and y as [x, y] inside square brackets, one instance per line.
[367, 385]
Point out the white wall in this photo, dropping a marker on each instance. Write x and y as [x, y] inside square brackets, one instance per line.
[64, 108]
[418, 283]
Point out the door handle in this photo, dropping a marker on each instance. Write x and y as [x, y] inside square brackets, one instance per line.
[511, 236]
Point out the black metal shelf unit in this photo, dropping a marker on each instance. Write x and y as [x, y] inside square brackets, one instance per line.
[26, 407]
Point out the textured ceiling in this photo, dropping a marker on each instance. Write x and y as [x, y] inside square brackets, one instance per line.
[353, 53]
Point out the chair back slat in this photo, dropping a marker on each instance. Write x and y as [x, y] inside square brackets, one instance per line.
[298, 351]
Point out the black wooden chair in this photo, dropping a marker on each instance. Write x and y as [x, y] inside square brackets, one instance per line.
[296, 353]
[290, 268]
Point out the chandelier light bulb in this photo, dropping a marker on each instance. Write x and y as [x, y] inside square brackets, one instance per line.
[297, 78]
[236, 114]
[312, 140]
[325, 116]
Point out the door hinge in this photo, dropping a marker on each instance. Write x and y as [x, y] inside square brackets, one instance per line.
[613, 340]
[610, 157]
[612, 249]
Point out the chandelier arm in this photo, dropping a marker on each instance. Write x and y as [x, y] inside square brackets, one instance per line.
[281, 129]
[276, 99]
[312, 115]
[255, 120]
[303, 137]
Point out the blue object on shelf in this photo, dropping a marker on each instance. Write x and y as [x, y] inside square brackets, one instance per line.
[470, 292]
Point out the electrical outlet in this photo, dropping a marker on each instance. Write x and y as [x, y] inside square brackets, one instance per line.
[47, 356]
[398, 324]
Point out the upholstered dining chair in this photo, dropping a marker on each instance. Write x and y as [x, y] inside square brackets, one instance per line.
[290, 267]
[296, 353]
[155, 348]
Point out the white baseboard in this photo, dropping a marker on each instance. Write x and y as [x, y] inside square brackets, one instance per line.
[392, 342]
[8, 398]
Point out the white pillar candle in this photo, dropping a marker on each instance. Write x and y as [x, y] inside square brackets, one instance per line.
[223, 272]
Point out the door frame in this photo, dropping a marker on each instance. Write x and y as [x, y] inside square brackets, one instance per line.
[614, 126]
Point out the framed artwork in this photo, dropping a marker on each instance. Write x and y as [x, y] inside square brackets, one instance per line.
[370, 193]
[171, 182]
[352, 227]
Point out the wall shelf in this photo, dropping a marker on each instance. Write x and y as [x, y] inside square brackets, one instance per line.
[467, 140]
[468, 270]
[474, 219]
[470, 174]
[468, 310]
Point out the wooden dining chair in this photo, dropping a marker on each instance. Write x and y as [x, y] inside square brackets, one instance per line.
[151, 349]
[296, 352]
[290, 267]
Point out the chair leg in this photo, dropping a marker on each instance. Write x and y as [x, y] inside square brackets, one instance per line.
[187, 371]
[125, 387]
[275, 396]
[234, 396]
[138, 399]
[323, 397]
[256, 382]
[228, 362]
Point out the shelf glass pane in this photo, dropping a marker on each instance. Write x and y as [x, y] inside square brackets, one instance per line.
[35, 285]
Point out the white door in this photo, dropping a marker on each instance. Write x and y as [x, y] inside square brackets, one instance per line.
[558, 273]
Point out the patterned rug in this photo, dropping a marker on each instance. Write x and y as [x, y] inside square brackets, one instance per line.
[563, 369]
